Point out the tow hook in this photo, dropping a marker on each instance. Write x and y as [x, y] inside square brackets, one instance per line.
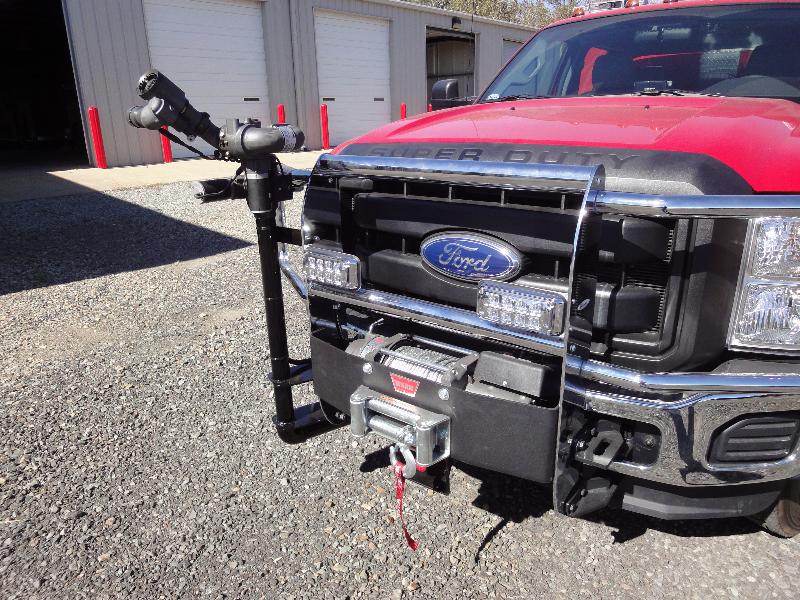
[402, 471]
[600, 445]
[407, 426]
[409, 462]
[584, 486]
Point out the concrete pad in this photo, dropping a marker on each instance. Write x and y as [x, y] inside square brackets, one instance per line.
[25, 183]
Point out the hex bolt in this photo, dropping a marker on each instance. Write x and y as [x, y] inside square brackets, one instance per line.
[650, 441]
[572, 347]
[572, 508]
[367, 368]
[581, 445]
[444, 394]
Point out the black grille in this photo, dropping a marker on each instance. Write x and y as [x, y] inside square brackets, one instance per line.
[392, 220]
[756, 439]
[539, 200]
[653, 275]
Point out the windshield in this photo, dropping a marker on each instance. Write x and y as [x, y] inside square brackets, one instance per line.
[744, 50]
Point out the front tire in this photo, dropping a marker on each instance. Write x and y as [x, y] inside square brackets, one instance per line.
[784, 518]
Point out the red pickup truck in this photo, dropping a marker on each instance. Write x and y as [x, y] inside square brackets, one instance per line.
[589, 277]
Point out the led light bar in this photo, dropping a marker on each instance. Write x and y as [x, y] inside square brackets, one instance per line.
[325, 266]
[521, 307]
[767, 312]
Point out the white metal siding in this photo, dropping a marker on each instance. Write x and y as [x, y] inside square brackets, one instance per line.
[214, 50]
[406, 51]
[353, 69]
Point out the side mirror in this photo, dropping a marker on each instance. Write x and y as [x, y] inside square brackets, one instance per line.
[445, 89]
[445, 95]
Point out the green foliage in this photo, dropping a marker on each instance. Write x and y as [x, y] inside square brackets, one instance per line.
[534, 13]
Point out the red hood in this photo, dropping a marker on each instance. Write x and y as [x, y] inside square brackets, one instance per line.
[758, 138]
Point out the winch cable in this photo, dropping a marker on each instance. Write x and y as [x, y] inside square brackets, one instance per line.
[420, 362]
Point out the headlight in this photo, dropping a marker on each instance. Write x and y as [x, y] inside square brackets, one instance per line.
[767, 311]
[521, 307]
[325, 266]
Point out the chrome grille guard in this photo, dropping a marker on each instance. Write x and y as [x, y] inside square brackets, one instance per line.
[596, 201]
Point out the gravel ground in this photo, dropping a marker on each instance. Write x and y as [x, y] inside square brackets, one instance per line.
[138, 458]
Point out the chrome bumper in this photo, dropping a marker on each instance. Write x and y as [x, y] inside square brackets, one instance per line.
[694, 405]
[701, 403]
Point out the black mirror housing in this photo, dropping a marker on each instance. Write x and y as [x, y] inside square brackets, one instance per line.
[445, 89]
[445, 95]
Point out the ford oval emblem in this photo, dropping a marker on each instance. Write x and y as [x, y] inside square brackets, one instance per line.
[471, 256]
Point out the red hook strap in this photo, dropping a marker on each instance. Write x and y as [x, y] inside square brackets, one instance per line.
[400, 486]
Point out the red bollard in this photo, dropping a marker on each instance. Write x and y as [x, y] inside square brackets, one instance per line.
[403, 110]
[430, 107]
[166, 148]
[323, 119]
[281, 113]
[97, 138]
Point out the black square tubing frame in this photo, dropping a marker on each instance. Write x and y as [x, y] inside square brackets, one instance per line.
[267, 186]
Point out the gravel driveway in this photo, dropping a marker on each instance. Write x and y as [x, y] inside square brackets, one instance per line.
[138, 457]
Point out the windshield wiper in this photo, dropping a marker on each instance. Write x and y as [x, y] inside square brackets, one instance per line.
[516, 97]
[674, 92]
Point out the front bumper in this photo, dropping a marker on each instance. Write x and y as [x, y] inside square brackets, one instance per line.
[521, 440]
[695, 405]
[700, 404]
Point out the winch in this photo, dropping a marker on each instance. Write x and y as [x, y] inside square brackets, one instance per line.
[405, 424]
[402, 423]
[421, 357]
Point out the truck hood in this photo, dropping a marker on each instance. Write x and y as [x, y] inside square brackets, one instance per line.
[756, 140]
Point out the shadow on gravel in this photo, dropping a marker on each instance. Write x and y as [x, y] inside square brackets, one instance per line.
[379, 459]
[515, 500]
[630, 526]
[510, 498]
[70, 238]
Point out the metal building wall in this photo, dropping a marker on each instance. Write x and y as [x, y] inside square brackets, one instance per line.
[108, 42]
[109, 50]
[279, 51]
[407, 53]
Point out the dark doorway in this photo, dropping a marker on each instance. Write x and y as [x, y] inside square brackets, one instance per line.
[451, 55]
[40, 120]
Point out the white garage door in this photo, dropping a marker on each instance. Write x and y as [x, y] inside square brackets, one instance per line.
[510, 48]
[214, 50]
[353, 72]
